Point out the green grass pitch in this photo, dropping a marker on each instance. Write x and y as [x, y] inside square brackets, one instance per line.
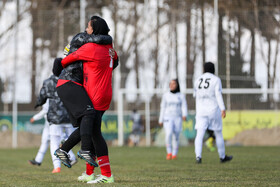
[141, 166]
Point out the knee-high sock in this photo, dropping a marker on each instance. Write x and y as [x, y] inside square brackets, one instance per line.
[72, 155]
[168, 138]
[55, 141]
[175, 143]
[89, 169]
[199, 142]
[45, 141]
[220, 143]
[41, 152]
[104, 165]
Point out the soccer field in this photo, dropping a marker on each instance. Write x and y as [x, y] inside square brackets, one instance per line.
[141, 166]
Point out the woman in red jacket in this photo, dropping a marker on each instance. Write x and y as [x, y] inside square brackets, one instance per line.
[98, 61]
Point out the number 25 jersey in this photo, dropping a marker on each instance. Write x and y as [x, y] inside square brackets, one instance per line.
[208, 94]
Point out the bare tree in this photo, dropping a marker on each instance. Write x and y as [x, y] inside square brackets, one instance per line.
[202, 31]
[35, 35]
[174, 38]
[157, 47]
[135, 36]
[190, 65]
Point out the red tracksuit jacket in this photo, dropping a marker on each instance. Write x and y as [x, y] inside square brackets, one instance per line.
[97, 71]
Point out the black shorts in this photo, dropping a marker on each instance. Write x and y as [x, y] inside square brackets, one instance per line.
[76, 101]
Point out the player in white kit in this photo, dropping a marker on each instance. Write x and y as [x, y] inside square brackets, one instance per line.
[210, 110]
[173, 109]
[57, 117]
[45, 139]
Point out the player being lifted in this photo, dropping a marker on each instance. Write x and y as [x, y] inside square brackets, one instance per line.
[69, 85]
[210, 110]
[57, 117]
[98, 63]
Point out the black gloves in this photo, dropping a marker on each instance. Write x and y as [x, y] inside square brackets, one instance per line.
[57, 66]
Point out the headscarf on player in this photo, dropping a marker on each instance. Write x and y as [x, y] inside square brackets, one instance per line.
[99, 25]
[177, 89]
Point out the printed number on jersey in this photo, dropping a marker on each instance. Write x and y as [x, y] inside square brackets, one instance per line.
[204, 83]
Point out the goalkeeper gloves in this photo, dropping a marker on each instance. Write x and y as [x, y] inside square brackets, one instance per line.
[66, 50]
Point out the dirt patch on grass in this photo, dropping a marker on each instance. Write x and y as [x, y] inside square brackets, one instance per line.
[257, 137]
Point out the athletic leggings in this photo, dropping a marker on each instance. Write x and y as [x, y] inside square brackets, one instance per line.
[90, 134]
[90, 131]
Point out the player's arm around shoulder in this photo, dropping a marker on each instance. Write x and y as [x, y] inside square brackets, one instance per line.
[84, 53]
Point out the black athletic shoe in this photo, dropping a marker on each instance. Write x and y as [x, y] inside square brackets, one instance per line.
[63, 157]
[226, 159]
[87, 156]
[33, 162]
[198, 160]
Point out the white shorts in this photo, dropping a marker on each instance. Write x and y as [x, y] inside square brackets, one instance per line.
[173, 124]
[213, 122]
[58, 130]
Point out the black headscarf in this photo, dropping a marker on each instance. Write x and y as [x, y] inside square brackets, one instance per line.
[177, 89]
[99, 26]
[209, 67]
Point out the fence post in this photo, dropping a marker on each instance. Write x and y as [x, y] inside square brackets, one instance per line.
[148, 122]
[120, 118]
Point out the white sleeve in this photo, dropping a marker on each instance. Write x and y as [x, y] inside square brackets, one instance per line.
[194, 89]
[43, 112]
[162, 109]
[184, 106]
[219, 96]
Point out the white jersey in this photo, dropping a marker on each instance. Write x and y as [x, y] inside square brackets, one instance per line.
[208, 93]
[173, 105]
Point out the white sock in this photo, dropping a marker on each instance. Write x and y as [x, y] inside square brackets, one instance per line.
[199, 142]
[220, 144]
